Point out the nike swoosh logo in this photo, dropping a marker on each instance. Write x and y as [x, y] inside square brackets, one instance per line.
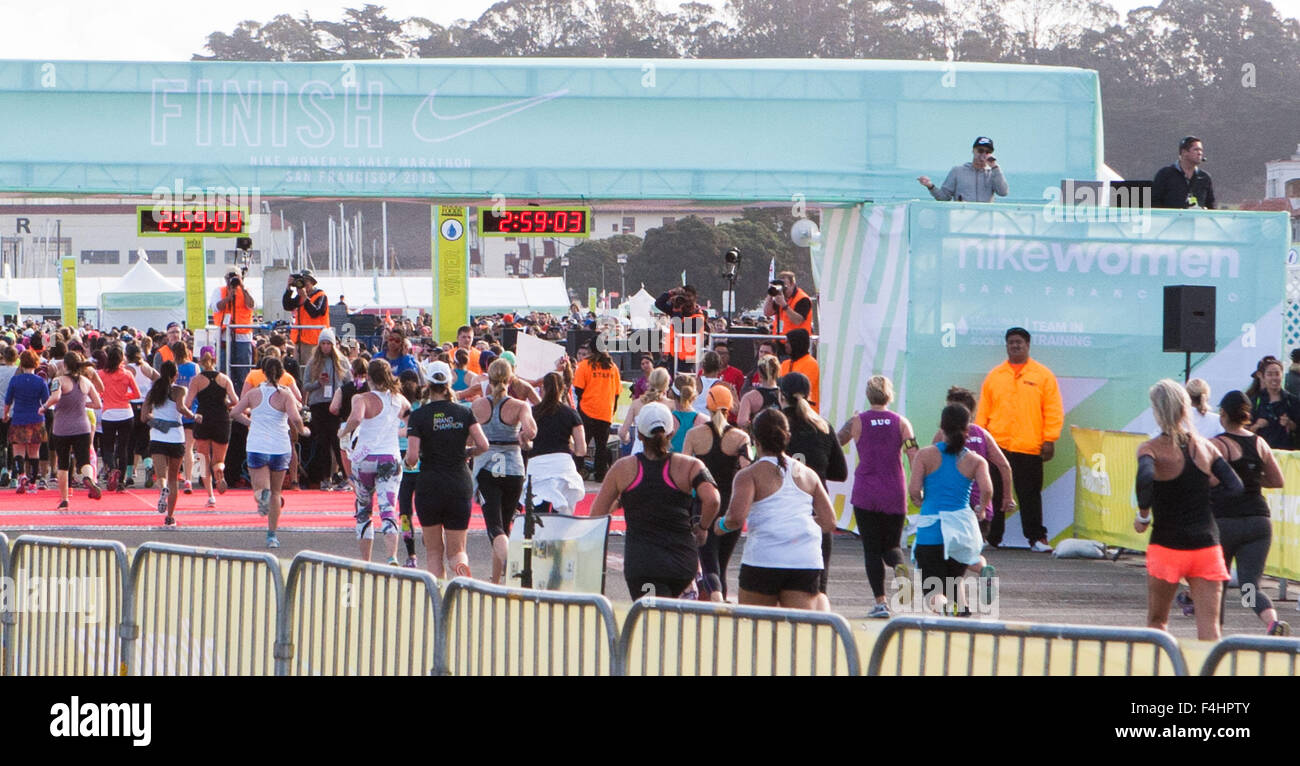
[485, 116]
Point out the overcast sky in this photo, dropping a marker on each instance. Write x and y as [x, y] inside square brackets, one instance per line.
[174, 30]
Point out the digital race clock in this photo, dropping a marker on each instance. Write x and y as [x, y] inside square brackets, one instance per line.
[535, 221]
[166, 221]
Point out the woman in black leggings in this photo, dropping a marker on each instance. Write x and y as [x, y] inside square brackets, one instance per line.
[1245, 531]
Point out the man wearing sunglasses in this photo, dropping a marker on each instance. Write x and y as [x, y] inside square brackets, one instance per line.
[975, 181]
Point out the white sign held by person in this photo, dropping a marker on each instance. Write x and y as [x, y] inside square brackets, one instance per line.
[536, 357]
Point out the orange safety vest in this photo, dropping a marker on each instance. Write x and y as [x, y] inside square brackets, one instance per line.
[300, 316]
[241, 315]
[686, 348]
[784, 325]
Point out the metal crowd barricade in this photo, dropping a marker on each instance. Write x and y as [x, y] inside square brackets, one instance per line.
[228, 341]
[1275, 656]
[673, 637]
[6, 618]
[970, 648]
[494, 630]
[76, 627]
[202, 611]
[349, 617]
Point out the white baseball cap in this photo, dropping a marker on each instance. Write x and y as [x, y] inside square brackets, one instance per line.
[440, 373]
[653, 416]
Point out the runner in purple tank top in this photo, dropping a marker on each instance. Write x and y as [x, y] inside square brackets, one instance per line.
[982, 443]
[879, 489]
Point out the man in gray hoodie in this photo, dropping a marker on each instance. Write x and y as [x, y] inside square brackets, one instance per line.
[975, 181]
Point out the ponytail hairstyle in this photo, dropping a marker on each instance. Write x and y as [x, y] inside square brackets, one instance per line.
[359, 371]
[1172, 408]
[409, 384]
[552, 387]
[718, 420]
[499, 374]
[769, 368]
[181, 352]
[772, 433]
[656, 385]
[686, 388]
[381, 376]
[804, 413]
[1198, 391]
[273, 369]
[954, 421]
[658, 444]
[72, 363]
[162, 387]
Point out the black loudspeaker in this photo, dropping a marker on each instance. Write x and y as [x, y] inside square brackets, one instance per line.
[1189, 318]
[576, 340]
[509, 337]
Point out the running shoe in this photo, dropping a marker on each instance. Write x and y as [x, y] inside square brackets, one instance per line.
[272, 541]
[169, 522]
[1041, 546]
[219, 475]
[212, 503]
[162, 500]
[411, 563]
[41, 484]
[263, 502]
[988, 583]
[903, 576]
[114, 480]
[879, 612]
[4, 478]
[63, 505]
[92, 488]
[187, 487]
[22, 484]
[148, 477]
[1279, 628]
[392, 561]
[1184, 600]
[461, 570]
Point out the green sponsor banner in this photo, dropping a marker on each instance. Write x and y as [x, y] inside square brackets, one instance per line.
[924, 293]
[816, 130]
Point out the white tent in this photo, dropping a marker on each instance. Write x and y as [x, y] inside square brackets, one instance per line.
[497, 295]
[143, 298]
[640, 309]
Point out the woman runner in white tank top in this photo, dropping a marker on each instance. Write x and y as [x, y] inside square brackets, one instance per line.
[269, 412]
[377, 416]
[788, 510]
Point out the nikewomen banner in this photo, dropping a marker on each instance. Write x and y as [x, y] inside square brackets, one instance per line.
[924, 292]
[820, 130]
[1105, 503]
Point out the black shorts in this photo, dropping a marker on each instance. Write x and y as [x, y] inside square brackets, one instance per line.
[215, 430]
[770, 581]
[446, 509]
[67, 447]
[175, 451]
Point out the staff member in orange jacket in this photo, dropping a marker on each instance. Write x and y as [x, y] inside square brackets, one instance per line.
[597, 384]
[801, 360]
[1020, 404]
[310, 306]
[790, 305]
[235, 306]
[683, 339]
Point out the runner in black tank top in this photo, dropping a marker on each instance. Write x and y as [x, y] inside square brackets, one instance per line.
[1245, 530]
[659, 555]
[1180, 509]
[717, 549]
[211, 403]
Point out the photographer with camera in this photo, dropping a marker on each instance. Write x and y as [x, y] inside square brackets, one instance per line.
[789, 304]
[234, 306]
[310, 306]
[680, 304]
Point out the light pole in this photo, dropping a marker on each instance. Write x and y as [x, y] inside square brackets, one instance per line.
[622, 278]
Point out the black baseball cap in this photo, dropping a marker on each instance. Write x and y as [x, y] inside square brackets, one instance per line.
[1233, 401]
[983, 142]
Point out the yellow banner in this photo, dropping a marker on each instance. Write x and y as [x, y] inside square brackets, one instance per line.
[450, 272]
[1105, 502]
[68, 277]
[196, 304]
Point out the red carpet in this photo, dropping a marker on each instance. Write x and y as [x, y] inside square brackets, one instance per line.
[304, 510]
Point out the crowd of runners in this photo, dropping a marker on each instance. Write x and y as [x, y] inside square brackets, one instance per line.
[422, 433]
